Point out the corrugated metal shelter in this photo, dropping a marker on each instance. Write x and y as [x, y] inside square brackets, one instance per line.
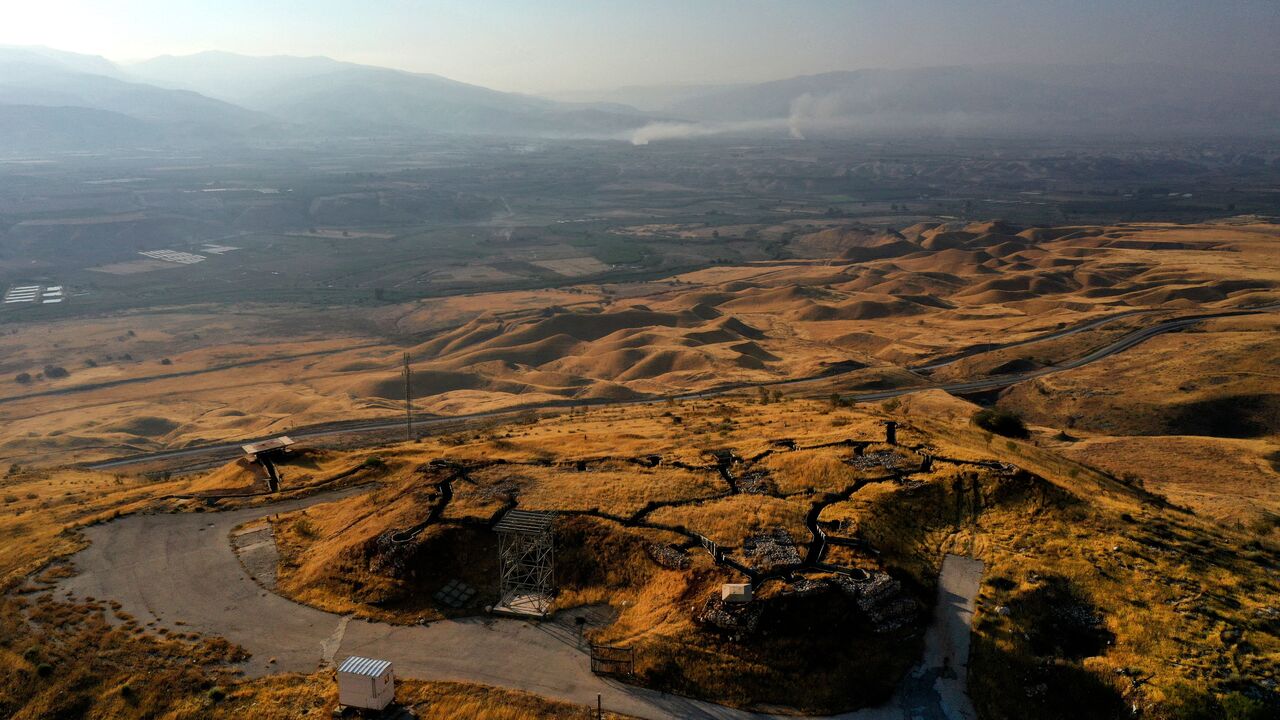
[366, 683]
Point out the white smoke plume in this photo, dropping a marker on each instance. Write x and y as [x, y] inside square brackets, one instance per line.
[827, 111]
[831, 114]
[666, 130]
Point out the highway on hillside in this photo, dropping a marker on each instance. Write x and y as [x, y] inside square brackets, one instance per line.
[204, 455]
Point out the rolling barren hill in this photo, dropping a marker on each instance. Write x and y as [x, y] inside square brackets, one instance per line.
[940, 292]
[941, 289]
[1128, 536]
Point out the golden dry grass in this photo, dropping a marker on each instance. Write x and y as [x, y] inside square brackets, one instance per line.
[62, 660]
[316, 695]
[326, 551]
[729, 520]
[1230, 480]
[809, 471]
[1164, 586]
[612, 487]
[39, 508]
[86, 660]
[1216, 380]
[749, 323]
[1172, 588]
[1134, 561]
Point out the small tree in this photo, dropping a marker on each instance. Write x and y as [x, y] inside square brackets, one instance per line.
[23, 379]
[1001, 422]
[55, 371]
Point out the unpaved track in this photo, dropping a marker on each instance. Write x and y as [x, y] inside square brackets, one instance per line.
[180, 568]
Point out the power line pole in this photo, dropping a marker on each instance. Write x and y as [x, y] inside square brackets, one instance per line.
[408, 398]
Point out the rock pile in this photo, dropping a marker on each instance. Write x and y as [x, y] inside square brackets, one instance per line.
[882, 601]
[737, 620]
[770, 549]
[385, 555]
[668, 556]
[501, 490]
[880, 459]
[756, 482]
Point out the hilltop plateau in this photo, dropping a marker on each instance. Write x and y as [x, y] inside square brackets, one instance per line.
[1092, 599]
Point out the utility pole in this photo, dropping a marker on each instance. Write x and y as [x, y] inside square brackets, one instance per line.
[408, 398]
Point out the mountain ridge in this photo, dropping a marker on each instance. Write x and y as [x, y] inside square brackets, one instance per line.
[216, 96]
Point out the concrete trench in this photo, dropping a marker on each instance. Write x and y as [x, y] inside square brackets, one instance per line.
[160, 569]
[816, 548]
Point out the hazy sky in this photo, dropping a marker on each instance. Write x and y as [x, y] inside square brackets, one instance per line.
[552, 45]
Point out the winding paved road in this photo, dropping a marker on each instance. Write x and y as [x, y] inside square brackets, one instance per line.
[180, 568]
[205, 455]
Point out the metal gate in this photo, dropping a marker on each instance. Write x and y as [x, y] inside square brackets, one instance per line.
[709, 545]
[609, 660]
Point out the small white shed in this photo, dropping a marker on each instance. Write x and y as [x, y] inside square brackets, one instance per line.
[736, 592]
[366, 683]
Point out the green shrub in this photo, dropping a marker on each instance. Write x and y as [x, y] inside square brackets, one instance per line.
[1001, 422]
[1236, 706]
[55, 371]
[1188, 702]
[305, 528]
[217, 694]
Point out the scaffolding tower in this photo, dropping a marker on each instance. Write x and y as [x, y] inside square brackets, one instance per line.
[526, 559]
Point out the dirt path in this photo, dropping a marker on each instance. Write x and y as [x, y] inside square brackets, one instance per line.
[180, 568]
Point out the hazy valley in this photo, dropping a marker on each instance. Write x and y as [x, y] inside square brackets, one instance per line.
[945, 391]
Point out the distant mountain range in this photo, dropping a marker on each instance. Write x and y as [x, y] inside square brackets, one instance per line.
[50, 99]
[346, 98]
[1116, 100]
[57, 100]
[217, 97]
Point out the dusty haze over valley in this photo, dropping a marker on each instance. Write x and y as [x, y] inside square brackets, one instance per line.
[727, 360]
